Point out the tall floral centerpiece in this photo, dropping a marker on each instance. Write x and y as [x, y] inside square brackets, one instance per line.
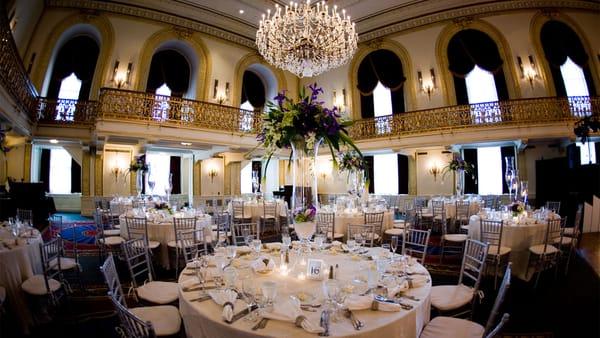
[139, 167]
[353, 164]
[459, 167]
[302, 126]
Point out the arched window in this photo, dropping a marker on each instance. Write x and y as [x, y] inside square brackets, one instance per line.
[380, 83]
[161, 102]
[253, 90]
[169, 76]
[569, 66]
[67, 97]
[476, 66]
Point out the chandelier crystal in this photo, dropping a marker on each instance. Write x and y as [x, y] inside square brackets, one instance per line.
[306, 40]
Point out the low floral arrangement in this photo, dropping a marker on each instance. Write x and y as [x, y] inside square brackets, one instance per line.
[517, 208]
[305, 215]
[139, 164]
[163, 206]
[351, 161]
[458, 163]
[304, 122]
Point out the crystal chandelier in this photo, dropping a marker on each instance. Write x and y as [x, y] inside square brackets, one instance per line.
[306, 40]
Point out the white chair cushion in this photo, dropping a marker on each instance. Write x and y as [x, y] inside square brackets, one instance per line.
[165, 318]
[465, 227]
[112, 240]
[449, 297]
[568, 231]
[65, 263]
[564, 240]
[268, 217]
[455, 237]
[493, 250]
[337, 235]
[394, 232]
[112, 232]
[36, 285]
[158, 292]
[539, 249]
[448, 327]
[117, 226]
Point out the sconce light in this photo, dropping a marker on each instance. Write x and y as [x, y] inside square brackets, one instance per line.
[427, 87]
[120, 78]
[117, 171]
[323, 175]
[435, 170]
[221, 96]
[212, 173]
[215, 89]
[528, 73]
[339, 100]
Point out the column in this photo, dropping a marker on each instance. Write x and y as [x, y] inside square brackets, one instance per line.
[27, 162]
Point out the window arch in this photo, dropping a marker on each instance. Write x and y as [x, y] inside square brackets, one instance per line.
[381, 68]
[169, 67]
[563, 48]
[253, 91]
[77, 56]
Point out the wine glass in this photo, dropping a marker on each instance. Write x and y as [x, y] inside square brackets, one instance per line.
[247, 234]
[230, 275]
[286, 240]
[231, 250]
[331, 290]
[359, 240]
[151, 185]
[269, 291]
[319, 239]
[394, 245]
[248, 294]
[256, 244]
[351, 245]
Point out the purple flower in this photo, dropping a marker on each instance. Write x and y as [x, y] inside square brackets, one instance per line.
[280, 98]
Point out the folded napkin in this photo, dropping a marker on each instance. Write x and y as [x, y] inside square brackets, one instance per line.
[356, 302]
[336, 243]
[273, 246]
[225, 298]
[262, 263]
[288, 310]
[409, 283]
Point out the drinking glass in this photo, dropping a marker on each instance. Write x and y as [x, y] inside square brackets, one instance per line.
[247, 234]
[230, 275]
[359, 240]
[286, 240]
[386, 247]
[269, 291]
[248, 293]
[351, 244]
[394, 245]
[256, 244]
[332, 290]
[231, 251]
[319, 239]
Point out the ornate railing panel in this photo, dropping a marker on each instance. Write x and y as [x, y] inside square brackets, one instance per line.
[62, 111]
[156, 109]
[526, 111]
[12, 73]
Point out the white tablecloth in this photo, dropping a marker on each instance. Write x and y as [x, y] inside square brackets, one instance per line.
[518, 237]
[255, 210]
[450, 207]
[16, 266]
[342, 220]
[164, 232]
[203, 319]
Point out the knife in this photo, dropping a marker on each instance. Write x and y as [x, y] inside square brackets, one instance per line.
[200, 299]
[243, 313]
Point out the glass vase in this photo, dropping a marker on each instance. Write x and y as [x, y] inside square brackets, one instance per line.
[460, 183]
[356, 183]
[509, 174]
[304, 180]
[139, 182]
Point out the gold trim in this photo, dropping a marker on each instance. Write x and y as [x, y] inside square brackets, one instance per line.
[243, 64]
[410, 100]
[197, 178]
[441, 51]
[193, 40]
[98, 179]
[106, 44]
[27, 162]
[535, 30]
[85, 174]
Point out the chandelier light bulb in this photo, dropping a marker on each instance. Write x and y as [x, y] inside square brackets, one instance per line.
[307, 40]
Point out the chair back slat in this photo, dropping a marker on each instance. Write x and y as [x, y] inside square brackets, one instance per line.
[111, 277]
[326, 223]
[25, 216]
[415, 243]
[138, 261]
[238, 209]
[491, 232]
[240, 230]
[499, 299]
[463, 210]
[131, 325]
[192, 243]
[473, 263]
[183, 224]
[137, 227]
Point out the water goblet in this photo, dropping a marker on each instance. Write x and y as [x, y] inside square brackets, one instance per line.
[230, 275]
[269, 291]
[248, 294]
[231, 250]
[351, 245]
[256, 245]
[394, 246]
[286, 240]
[319, 239]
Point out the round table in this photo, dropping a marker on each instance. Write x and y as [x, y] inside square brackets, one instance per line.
[450, 207]
[519, 237]
[164, 232]
[203, 319]
[255, 210]
[17, 264]
[343, 219]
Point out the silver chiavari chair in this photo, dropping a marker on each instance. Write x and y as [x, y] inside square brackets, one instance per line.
[569, 239]
[374, 219]
[498, 255]
[547, 255]
[415, 243]
[553, 206]
[180, 224]
[238, 212]
[453, 242]
[137, 227]
[455, 327]
[192, 244]
[362, 233]
[141, 271]
[25, 216]
[51, 282]
[241, 230]
[326, 225]
[268, 219]
[460, 299]
[131, 326]
[221, 229]
[463, 213]
[489, 201]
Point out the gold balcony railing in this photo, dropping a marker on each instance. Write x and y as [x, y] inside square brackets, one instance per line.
[164, 110]
[13, 76]
[504, 113]
[62, 111]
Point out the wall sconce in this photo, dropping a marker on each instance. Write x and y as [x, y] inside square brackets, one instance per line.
[121, 78]
[339, 100]
[117, 171]
[435, 170]
[528, 73]
[212, 173]
[427, 87]
[218, 95]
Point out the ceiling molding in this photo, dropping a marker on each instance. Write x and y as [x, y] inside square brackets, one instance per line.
[407, 16]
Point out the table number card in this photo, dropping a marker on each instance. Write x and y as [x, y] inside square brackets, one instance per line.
[315, 269]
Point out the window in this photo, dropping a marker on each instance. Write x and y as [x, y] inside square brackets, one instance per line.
[481, 88]
[385, 172]
[246, 118]
[161, 104]
[382, 100]
[60, 171]
[575, 85]
[587, 152]
[489, 171]
[159, 170]
[246, 178]
[247, 106]
[68, 91]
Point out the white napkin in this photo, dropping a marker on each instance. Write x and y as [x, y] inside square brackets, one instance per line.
[356, 302]
[225, 298]
[259, 264]
[410, 283]
[288, 310]
[336, 243]
[273, 246]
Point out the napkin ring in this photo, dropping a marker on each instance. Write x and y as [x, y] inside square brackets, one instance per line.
[228, 303]
[410, 283]
[299, 320]
[375, 305]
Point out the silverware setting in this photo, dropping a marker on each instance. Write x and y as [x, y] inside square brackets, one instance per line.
[355, 321]
[325, 323]
[261, 324]
[200, 299]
